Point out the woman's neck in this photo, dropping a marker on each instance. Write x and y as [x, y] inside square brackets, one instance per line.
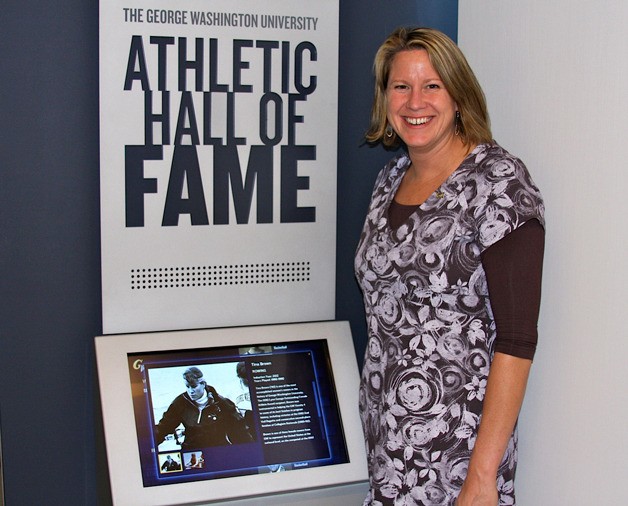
[428, 171]
[439, 162]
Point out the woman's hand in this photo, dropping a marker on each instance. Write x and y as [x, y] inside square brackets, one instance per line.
[476, 492]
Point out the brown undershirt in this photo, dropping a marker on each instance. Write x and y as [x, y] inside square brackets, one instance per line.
[513, 267]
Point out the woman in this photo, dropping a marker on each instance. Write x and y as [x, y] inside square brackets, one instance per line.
[449, 262]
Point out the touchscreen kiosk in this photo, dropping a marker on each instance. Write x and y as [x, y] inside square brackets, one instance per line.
[208, 415]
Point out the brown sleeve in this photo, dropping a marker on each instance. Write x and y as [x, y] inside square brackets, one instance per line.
[514, 267]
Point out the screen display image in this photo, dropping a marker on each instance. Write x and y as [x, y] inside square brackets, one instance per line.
[247, 413]
[209, 413]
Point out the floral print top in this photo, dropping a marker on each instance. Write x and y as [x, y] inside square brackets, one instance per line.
[431, 332]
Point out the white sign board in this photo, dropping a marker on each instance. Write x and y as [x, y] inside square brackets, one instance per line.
[218, 124]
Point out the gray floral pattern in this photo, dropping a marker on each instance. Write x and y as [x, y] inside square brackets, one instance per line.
[431, 330]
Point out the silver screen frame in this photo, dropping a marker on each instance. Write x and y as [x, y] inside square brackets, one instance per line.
[119, 421]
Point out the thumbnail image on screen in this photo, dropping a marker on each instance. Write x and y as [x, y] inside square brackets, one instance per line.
[218, 412]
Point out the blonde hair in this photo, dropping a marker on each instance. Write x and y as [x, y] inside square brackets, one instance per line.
[454, 70]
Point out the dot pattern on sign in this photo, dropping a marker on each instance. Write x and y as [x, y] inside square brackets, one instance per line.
[155, 278]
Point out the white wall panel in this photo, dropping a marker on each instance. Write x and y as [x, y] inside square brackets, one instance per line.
[556, 79]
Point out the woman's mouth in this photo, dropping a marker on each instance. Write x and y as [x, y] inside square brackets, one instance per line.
[417, 121]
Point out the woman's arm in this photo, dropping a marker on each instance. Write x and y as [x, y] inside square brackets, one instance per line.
[513, 269]
[504, 395]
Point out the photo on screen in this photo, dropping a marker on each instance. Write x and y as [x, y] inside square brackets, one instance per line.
[220, 412]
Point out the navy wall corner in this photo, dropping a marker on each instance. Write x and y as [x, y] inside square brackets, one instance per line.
[363, 27]
[50, 287]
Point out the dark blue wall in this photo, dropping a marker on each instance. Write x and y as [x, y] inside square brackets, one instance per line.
[363, 27]
[49, 229]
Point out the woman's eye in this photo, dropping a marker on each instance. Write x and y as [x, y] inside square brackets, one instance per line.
[433, 86]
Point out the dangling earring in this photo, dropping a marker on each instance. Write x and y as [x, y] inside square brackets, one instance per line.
[389, 131]
[457, 123]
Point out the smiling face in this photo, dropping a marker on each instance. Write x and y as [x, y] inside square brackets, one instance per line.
[419, 108]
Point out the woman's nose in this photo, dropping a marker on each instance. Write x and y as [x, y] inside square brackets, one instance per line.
[415, 99]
